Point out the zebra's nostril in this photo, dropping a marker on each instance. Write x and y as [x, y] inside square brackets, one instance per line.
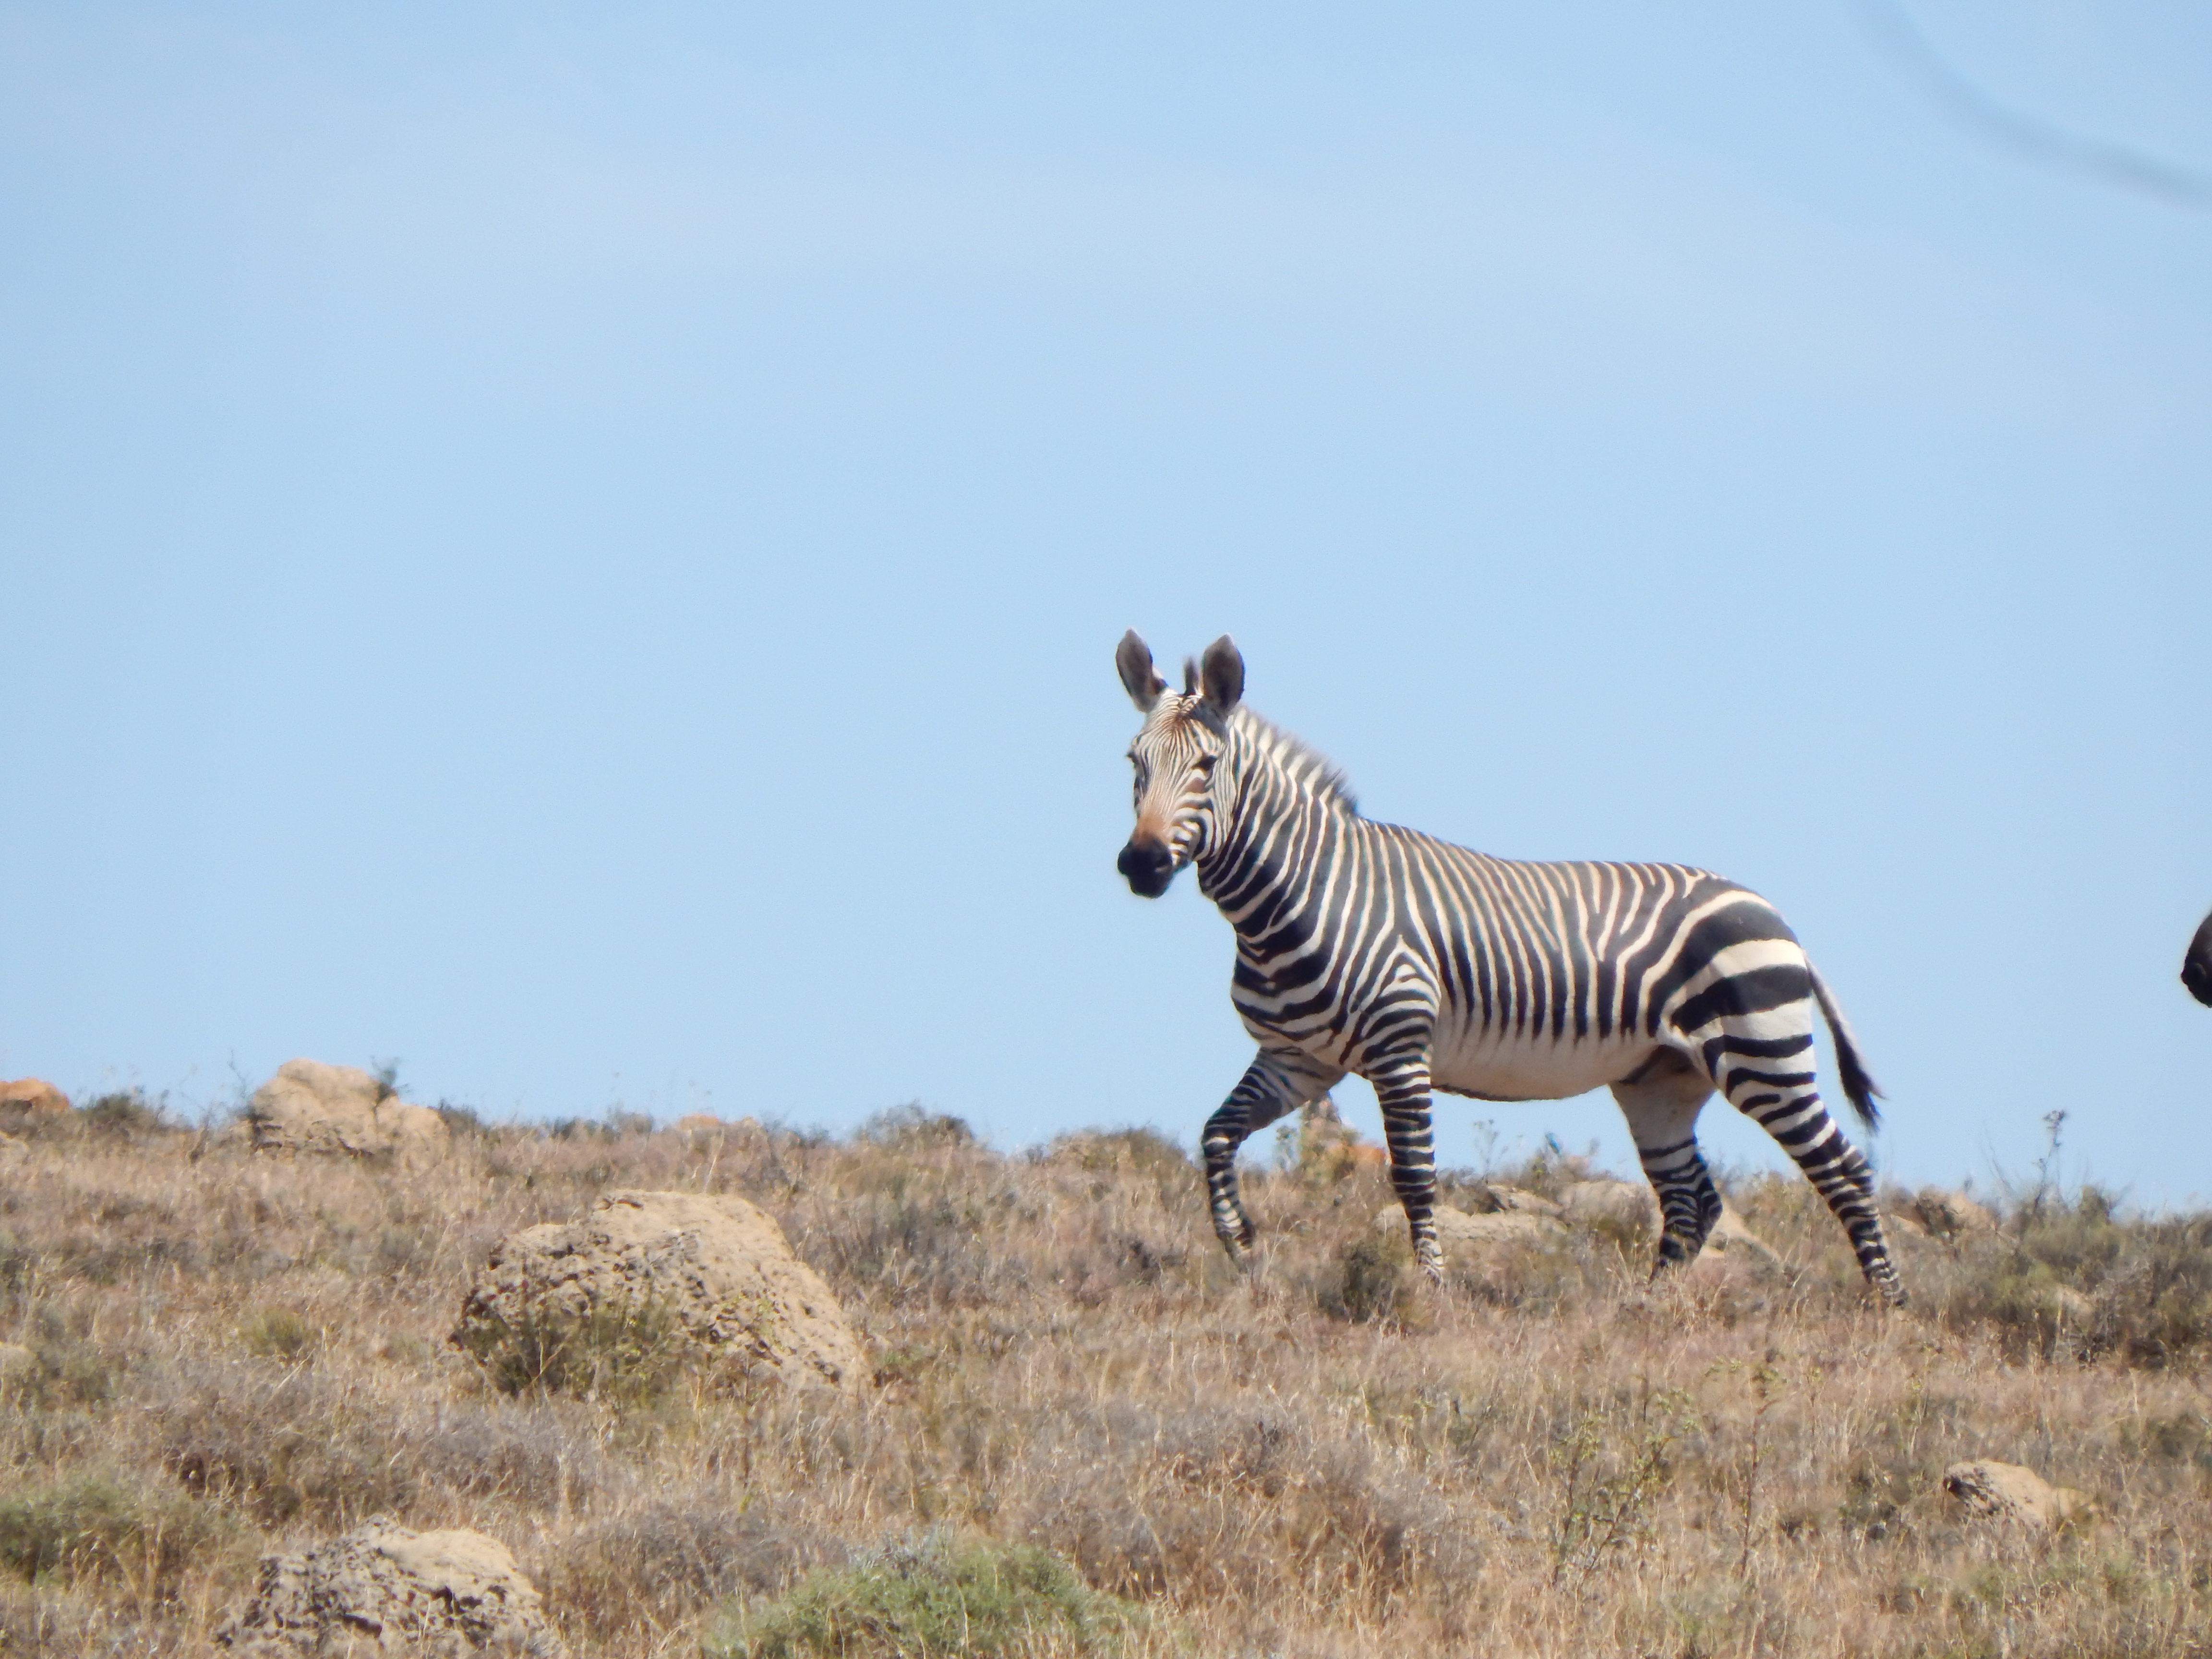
[1147, 867]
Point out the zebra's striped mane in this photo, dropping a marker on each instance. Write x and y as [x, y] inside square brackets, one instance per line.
[1313, 771]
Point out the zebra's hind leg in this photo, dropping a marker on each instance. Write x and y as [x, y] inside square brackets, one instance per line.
[1765, 1068]
[1661, 1100]
[1277, 1083]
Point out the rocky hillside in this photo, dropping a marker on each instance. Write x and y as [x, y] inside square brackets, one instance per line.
[248, 1367]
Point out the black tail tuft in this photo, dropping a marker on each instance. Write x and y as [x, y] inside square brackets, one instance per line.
[1859, 1086]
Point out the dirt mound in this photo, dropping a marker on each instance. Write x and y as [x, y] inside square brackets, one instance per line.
[382, 1588]
[1495, 1197]
[720, 1270]
[309, 1107]
[2007, 1492]
[1934, 1212]
[1626, 1204]
[27, 1100]
[1459, 1232]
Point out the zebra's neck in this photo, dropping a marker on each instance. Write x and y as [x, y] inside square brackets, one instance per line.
[1280, 818]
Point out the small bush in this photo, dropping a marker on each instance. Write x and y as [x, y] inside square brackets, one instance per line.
[124, 1114]
[300, 1450]
[66, 1367]
[539, 1455]
[462, 1123]
[919, 1600]
[1611, 1463]
[277, 1333]
[2154, 1304]
[653, 1567]
[1205, 1504]
[633, 1354]
[1145, 1153]
[19, 1265]
[2076, 1279]
[1373, 1280]
[96, 1527]
[911, 1127]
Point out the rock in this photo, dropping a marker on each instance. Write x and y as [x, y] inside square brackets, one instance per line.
[12, 1152]
[1947, 1214]
[30, 1100]
[2006, 1491]
[721, 1268]
[309, 1107]
[1614, 1203]
[1458, 1230]
[16, 1362]
[1498, 1199]
[1626, 1204]
[381, 1589]
[1731, 1238]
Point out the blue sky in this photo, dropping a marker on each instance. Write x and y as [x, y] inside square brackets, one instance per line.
[581, 549]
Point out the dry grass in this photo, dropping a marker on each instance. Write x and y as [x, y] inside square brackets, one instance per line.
[232, 1355]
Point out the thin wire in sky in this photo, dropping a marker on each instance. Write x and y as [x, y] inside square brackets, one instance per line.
[1898, 37]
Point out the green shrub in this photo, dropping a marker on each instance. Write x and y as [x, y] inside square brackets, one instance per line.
[278, 1334]
[656, 1565]
[65, 1366]
[125, 1113]
[932, 1598]
[93, 1526]
[2075, 1278]
[633, 1354]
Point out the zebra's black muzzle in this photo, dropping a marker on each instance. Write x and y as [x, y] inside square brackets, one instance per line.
[1147, 867]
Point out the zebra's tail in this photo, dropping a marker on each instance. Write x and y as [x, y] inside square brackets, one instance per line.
[1858, 1083]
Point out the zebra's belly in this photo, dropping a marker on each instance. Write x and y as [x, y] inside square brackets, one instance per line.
[1507, 1066]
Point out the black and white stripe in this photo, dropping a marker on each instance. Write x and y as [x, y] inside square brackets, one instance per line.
[1369, 948]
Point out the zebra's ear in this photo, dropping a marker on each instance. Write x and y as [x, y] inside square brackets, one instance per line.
[1134, 658]
[1222, 672]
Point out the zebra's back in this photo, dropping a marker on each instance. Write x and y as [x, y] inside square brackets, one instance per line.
[1548, 978]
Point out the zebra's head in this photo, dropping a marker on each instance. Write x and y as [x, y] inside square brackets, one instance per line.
[1174, 756]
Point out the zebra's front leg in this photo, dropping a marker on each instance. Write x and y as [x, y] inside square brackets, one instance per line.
[1402, 1089]
[1274, 1085]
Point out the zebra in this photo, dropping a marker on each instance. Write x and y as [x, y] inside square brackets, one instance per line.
[1365, 948]
[2197, 965]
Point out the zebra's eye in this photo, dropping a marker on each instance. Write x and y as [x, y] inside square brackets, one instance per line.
[1205, 762]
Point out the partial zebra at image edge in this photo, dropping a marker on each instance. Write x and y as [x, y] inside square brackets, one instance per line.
[2197, 963]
